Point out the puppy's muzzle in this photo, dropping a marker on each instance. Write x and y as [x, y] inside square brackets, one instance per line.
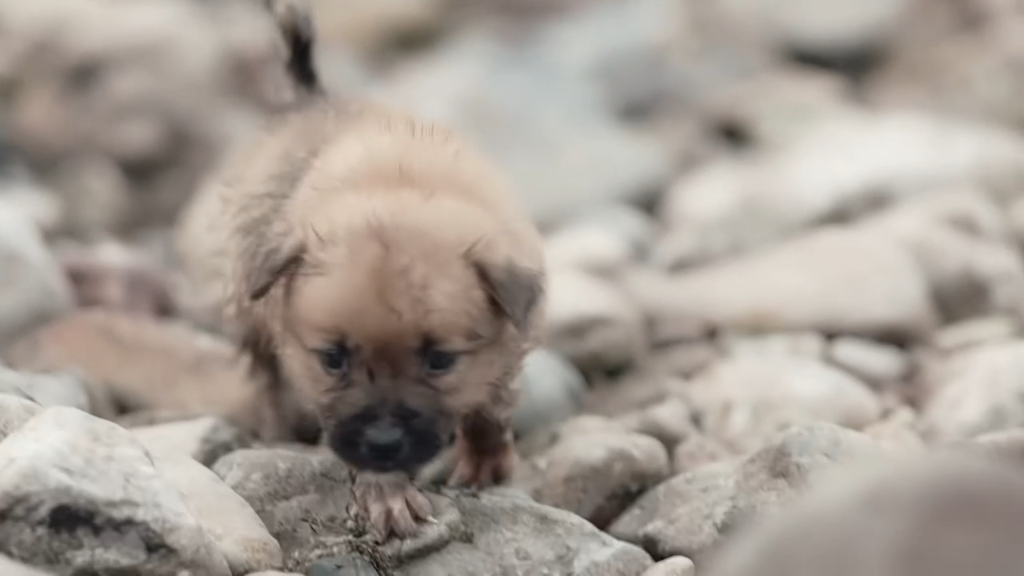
[388, 438]
[384, 442]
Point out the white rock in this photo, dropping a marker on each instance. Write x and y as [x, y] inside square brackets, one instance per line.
[45, 389]
[806, 344]
[974, 332]
[592, 322]
[874, 362]
[15, 412]
[79, 494]
[833, 280]
[34, 289]
[745, 399]
[590, 248]
[9, 567]
[232, 523]
[552, 392]
[203, 439]
[978, 391]
[674, 566]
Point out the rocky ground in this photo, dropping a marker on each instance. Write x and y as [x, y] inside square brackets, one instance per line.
[787, 287]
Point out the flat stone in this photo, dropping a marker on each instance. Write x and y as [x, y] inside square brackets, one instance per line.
[204, 439]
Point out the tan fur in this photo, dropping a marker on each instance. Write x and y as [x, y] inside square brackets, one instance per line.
[350, 220]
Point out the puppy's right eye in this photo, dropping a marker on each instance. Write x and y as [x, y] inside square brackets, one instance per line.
[334, 359]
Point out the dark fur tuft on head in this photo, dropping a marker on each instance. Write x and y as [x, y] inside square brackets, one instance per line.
[295, 21]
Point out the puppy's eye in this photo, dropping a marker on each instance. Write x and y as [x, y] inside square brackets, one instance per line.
[437, 362]
[334, 359]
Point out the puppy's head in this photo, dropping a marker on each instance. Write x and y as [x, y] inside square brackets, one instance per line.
[398, 319]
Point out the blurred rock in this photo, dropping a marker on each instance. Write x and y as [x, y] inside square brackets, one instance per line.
[345, 565]
[137, 363]
[832, 280]
[842, 168]
[696, 452]
[975, 332]
[744, 400]
[898, 429]
[589, 248]
[934, 516]
[34, 290]
[302, 498]
[227, 518]
[978, 391]
[804, 344]
[9, 567]
[674, 566]
[596, 476]
[636, 391]
[203, 439]
[624, 221]
[686, 359]
[1006, 444]
[690, 514]
[45, 389]
[670, 422]
[78, 494]
[873, 362]
[552, 392]
[371, 28]
[114, 276]
[15, 412]
[592, 323]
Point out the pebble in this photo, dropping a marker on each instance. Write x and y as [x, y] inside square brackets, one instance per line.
[203, 439]
[873, 362]
[552, 391]
[674, 566]
[15, 412]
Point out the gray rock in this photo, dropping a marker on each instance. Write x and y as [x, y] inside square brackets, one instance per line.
[552, 392]
[593, 323]
[9, 567]
[690, 514]
[588, 248]
[15, 412]
[597, 475]
[79, 494]
[57, 389]
[873, 362]
[978, 391]
[34, 290]
[832, 280]
[805, 344]
[670, 422]
[204, 439]
[349, 565]
[696, 452]
[746, 399]
[935, 515]
[674, 566]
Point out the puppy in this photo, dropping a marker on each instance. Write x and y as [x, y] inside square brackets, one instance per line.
[380, 266]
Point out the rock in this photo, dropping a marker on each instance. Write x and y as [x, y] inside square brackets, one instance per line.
[744, 400]
[592, 323]
[873, 362]
[372, 28]
[9, 567]
[552, 392]
[203, 439]
[670, 422]
[78, 494]
[690, 514]
[806, 344]
[975, 332]
[928, 516]
[978, 391]
[685, 359]
[597, 476]
[34, 290]
[274, 573]
[588, 248]
[833, 280]
[112, 275]
[625, 221]
[141, 363]
[674, 566]
[228, 519]
[1007, 444]
[898, 429]
[349, 565]
[512, 535]
[45, 389]
[697, 451]
[302, 497]
[15, 412]
[633, 392]
[841, 168]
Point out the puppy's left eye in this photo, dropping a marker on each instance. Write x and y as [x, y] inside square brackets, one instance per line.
[334, 359]
[436, 362]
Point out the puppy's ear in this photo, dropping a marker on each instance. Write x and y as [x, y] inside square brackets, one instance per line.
[269, 266]
[513, 289]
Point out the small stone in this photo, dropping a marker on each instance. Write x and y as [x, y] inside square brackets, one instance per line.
[45, 389]
[670, 422]
[203, 439]
[873, 362]
[592, 323]
[15, 412]
[685, 359]
[697, 451]
[1007, 444]
[225, 516]
[588, 248]
[597, 475]
[975, 332]
[633, 392]
[805, 344]
[351, 565]
[552, 392]
[898, 429]
[674, 566]
[9, 567]
[745, 399]
[79, 495]
[114, 276]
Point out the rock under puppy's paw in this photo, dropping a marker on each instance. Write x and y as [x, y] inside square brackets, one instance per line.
[391, 504]
[478, 468]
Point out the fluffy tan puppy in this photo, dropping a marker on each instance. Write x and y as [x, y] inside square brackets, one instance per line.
[378, 265]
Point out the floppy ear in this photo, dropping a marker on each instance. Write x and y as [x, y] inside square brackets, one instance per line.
[513, 289]
[268, 266]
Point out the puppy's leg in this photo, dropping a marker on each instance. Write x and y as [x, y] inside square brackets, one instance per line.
[390, 503]
[484, 451]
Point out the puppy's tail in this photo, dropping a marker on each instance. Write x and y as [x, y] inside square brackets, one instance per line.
[295, 21]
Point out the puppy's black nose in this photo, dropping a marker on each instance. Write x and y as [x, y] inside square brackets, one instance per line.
[384, 441]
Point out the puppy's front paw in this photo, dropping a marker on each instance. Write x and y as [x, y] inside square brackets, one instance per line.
[390, 503]
[477, 466]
